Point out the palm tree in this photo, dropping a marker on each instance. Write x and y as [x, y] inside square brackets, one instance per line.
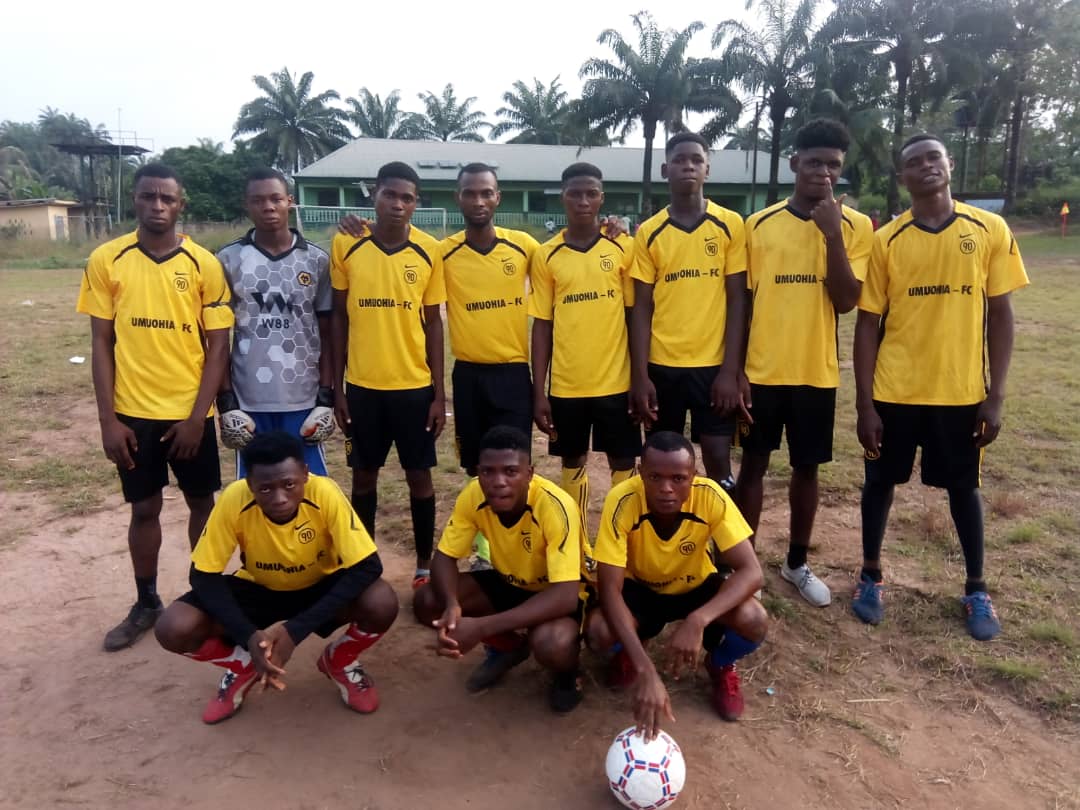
[540, 114]
[15, 171]
[774, 61]
[654, 84]
[376, 118]
[294, 125]
[446, 119]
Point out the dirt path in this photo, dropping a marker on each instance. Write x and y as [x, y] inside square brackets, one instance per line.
[86, 728]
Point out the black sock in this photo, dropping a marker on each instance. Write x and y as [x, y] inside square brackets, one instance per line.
[876, 501]
[974, 586]
[365, 506]
[967, 514]
[147, 590]
[423, 525]
[796, 556]
[873, 573]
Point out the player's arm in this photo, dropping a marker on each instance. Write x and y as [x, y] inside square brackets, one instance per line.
[840, 281]
[339, 353]
[186, 436]
[318, 426]
[556, 600]
[542, 340]
[352, 582]
[117, 439]
[642, 392]
[433, 344]
[726, 394]
[326, 364]
[869, 425]
[1000, 331]
[745, 579]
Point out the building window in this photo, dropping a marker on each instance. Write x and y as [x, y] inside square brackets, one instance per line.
[326, 196]
[537, 202]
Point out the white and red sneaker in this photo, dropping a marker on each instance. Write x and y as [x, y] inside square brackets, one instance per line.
[356, 686]
[727, 697]
[230, 696]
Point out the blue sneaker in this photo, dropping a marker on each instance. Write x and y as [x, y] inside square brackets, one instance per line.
[867, 601]
[982, 620]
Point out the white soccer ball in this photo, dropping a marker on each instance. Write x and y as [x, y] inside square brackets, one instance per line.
[642, 775]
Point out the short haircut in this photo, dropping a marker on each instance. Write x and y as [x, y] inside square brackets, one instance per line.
[685, 137]
[822, 132]
[477, 168]
[506, 437]
[266, 173]
[918, 138]
[272, 447]
[668, 441]
[581, 170]
[398, 170]
[158, 171]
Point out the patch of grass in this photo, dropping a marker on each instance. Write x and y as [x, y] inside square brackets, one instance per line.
[1050, 632]
[1023, 533]
[778, 607]
[1012, 669]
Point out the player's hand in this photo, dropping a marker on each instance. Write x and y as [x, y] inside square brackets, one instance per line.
[643, 407]
[260, 648]
[353, 225]
[684, 649]
[436, 417]
[746, 403]
[184, 438]
[444, 626]
[613, 226]
[341, 412]
[282, 645]
[468, 633]
[828, 215]
[652, 705]
[724, 393]
[319, 425]
[870, 428]
[987, 421]
[119, 443]
[542, 415]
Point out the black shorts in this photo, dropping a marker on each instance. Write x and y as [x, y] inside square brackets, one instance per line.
[806, 412]
[679, 390]
[264, 606]
[606, 418]
[504, 596]
[488, 395]
[654, 610]
[381, 418]
[950, 458]
[199, 476]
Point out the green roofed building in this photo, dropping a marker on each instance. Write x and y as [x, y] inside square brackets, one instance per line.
[528, 178]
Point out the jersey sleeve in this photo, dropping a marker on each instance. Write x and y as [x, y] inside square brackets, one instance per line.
[874, 296]
[735, 254]
[561, 525]
[457, 538]
[96, 293]
[858, 250]
[615, 524]
[435, 291]
[644, 268]
[749, 237]
[339, 273]
[217, 314]
[542, 297]
[324, 290]
[218, 540]
[728, 526]
[351, 541]
[627, 270]
[1006, 271]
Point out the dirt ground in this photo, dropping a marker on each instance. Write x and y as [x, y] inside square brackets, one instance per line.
[85, 728]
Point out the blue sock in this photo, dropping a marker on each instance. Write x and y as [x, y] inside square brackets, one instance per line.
[731, 649]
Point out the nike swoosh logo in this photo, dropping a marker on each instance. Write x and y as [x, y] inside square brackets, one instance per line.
[710, 238]
[965, 235]
[299, 526]
[178, 273]
[605, 255]
[410, 266]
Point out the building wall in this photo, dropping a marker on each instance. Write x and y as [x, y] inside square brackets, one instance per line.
[34, 221]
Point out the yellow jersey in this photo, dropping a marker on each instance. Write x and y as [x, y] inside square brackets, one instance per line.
[793, 322]
[627, 538]
[930, 288]
[387, 293]
[161, 308]
[326, 535]
[542, 548]
[687, 268]
[486, 294]
[585, 292]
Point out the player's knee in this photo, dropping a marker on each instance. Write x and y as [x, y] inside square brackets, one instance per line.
[753, 467]
[805, 472]
[598, 635]
[175, 631]
[420, 483]
[555, 644]
[427, 607]
[147, 510]
[573, 462]
[750, 620]
[364, 482]
[199, 504]
[377, 607]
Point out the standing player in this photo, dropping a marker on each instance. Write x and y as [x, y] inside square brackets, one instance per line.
[279, 377]
[159, 321]
[655, 556]
[935, 316]
[581, 291]
[388, 347]
[688, 328]
[307, 566]
[534, 532]
[807, 258]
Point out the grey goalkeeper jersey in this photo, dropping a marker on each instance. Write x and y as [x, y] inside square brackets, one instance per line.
[276, 299]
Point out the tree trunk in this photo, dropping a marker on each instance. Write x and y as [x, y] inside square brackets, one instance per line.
[903, 72]
[646, 170]
[776, 114]
[1012, 167]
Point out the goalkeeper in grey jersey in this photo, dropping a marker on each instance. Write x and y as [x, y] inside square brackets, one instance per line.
[279, 377]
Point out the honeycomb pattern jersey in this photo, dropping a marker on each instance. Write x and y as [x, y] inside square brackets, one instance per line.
[277, 301]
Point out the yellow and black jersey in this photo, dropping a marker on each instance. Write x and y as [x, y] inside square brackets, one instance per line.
[542, 548]
[687, 268]
[486, 294]
[793, 323]
[930, 286]
[628, 539]
[585, 292]
[387, 293]
[160, 308]
[326, 535]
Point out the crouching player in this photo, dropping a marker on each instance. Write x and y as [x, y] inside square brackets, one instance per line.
[655, 567]
[307, 565]
[528, 600]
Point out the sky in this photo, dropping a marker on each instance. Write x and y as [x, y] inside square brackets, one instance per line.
[181, 72]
